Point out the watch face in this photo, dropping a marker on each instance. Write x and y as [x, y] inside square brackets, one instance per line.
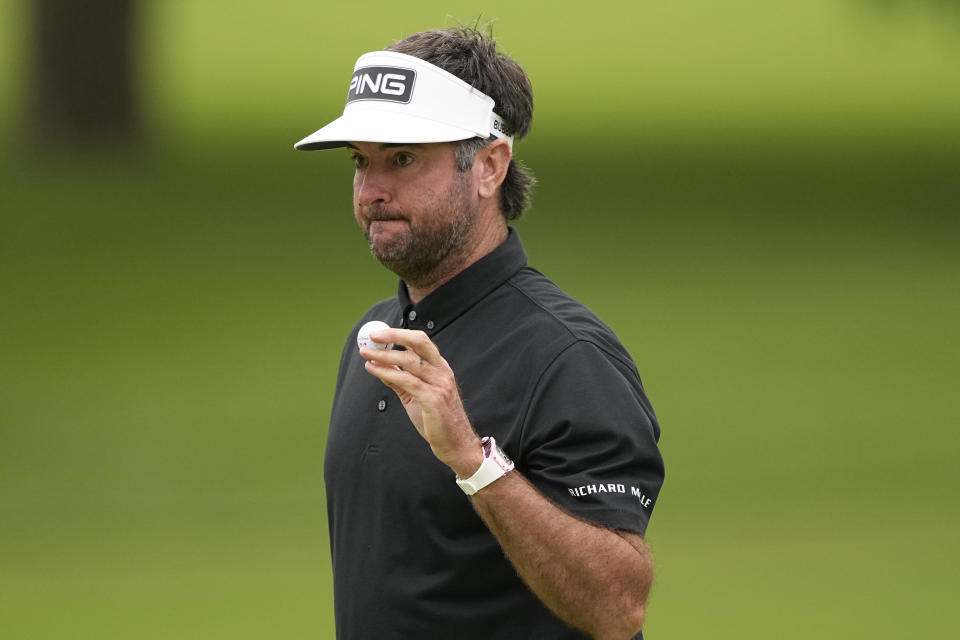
[502, 459]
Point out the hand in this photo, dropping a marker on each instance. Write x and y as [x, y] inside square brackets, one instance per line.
[426, 386]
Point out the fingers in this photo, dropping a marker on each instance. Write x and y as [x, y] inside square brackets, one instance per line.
[420, 350]
[407, 374]
[414, 370]
[415, 341]
[403, 360]
[396, 378]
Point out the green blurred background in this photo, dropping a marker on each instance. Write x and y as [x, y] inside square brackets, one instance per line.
[760, 198]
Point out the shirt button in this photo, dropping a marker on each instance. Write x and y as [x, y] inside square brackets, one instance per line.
[412, 316]
[382, 405]
[430, 324]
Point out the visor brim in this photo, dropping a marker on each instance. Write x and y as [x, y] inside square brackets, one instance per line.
[383, 126]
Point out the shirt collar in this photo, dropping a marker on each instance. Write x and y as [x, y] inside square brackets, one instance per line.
[457, 295]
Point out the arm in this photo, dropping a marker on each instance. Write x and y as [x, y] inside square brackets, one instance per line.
[593, 578]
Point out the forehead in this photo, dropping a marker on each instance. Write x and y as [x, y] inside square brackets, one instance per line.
[422, 147]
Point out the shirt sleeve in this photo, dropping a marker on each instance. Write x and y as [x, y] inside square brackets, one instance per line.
[590, 439]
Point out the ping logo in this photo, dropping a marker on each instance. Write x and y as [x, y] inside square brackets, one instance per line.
[382, 83]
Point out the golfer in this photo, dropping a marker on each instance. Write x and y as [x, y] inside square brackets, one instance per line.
[492, 475]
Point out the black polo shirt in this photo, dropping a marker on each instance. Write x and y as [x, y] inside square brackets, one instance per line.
[543, 375]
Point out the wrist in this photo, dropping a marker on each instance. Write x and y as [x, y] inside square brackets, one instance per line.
[469, 461]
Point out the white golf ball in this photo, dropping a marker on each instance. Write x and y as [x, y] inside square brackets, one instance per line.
[363, 336]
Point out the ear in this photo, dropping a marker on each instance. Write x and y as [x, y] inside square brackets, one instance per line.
[490, 167]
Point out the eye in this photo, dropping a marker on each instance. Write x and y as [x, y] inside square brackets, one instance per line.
[403, 159]
[359, 161]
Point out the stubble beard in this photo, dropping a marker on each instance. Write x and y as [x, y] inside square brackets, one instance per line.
[424, 252]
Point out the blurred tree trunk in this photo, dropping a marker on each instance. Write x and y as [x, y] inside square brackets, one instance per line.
[84, 89]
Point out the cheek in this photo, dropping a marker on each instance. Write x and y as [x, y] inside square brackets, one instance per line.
[356, 188]
[359, 218]
[356, 207]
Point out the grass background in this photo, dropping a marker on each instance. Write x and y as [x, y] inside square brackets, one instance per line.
[761, 200]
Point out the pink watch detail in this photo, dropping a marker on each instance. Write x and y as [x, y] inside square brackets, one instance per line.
[496, 464]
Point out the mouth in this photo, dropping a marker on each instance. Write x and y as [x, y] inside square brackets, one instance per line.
[385, 227]
[379, 214]
[377, 220]
[373, 221]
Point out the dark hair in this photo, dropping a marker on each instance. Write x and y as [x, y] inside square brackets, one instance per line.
[472, 56]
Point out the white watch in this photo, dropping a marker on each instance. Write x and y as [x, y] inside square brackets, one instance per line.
[496, 464]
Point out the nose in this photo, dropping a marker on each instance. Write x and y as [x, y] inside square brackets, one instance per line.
[371, 185]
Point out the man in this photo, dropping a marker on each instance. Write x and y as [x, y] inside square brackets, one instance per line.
[492, 475]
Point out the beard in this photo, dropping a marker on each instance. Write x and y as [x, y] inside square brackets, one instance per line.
[418, 252]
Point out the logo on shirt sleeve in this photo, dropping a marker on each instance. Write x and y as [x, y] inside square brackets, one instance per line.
[591, 489]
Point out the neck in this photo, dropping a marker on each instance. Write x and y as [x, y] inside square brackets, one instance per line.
[488, 237]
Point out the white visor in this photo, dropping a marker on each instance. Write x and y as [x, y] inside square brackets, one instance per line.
[396, 98]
